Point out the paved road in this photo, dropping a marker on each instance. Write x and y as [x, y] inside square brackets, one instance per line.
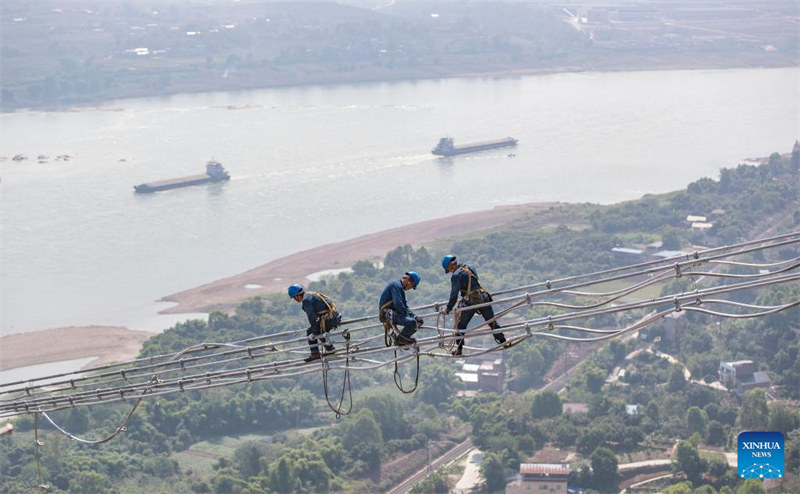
[472, 473]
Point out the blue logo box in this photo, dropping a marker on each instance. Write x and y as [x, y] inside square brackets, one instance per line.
[760, 455]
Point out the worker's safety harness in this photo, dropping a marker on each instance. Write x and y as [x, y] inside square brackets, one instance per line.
[390, 334]
[330, 318]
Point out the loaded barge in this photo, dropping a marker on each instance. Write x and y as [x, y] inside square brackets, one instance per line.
[214, 173]
[447, 148]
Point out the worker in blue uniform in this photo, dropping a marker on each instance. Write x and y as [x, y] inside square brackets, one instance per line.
[322, 315]
[393, 298]
[464, 282]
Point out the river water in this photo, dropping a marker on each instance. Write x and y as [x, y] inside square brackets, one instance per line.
[318, 164]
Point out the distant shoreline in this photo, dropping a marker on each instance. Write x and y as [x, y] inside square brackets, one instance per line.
[96, 103]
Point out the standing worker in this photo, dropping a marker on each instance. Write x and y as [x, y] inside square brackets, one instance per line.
[322, 315]
[464, 281]
[393, 298]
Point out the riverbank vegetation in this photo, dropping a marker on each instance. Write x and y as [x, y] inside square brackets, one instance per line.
[91, 52]
[279, 435]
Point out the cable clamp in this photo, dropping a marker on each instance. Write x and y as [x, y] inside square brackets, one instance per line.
[436, 306]
[677, 304]
[40, 443]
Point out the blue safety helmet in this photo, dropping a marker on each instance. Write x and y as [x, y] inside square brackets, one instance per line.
[294, 290]
[414, 277]
[446, 260]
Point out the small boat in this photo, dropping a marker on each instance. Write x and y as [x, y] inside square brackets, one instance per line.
[214, 173]
[446, 146]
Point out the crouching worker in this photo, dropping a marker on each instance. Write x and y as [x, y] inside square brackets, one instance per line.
[322, 315]
[393, 298]
[464, 281]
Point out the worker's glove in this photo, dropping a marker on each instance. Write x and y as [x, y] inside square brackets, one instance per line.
[446, 311]
[419, 321]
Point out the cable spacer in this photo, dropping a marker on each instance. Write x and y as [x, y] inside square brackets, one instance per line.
[122, 394]
[180, 384]
[72, 383]
[677, 304]
[548, 284]
[249, 352]
[346, 335]
[528, 328]
[122, 373]
[249, 377]
[71, 401]
[550, 326]
[183, 365]
[528, 299]
[208, 378]
[678, 270]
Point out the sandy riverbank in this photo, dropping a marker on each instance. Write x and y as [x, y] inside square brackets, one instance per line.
[115, 344]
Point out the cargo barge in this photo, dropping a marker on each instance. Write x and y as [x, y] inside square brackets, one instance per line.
[447, 148]
[214, 173]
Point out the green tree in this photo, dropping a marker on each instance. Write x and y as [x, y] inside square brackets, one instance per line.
[388, 412]
[247, 458]
[754, 414]
[494, 473]
[281, 476]
[362, 438]
[783, 419]
[438, 383]
[546, 404]
[696, 420]
[687, 460]
[595, 378]
[752, 486]
[604, 469]
[677, 381]
[435, 483]
[681, 488]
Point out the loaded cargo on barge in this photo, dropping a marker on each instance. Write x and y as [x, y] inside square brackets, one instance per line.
[447, 148]
[214, 173]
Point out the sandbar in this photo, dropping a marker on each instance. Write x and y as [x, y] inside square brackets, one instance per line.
[117, 344]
